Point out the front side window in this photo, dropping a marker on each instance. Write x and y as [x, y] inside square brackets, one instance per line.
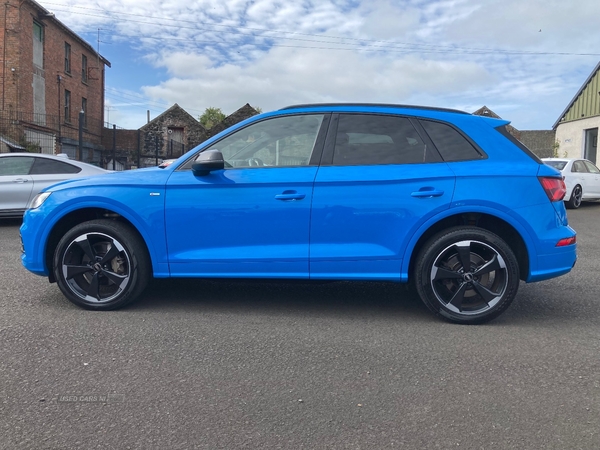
[15, 165]
[365, 139]
[67, 57]
[67, 106]
[279, 142]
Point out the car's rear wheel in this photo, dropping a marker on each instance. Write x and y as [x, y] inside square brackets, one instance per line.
[467, 275]
[576, 197]
[101, 265]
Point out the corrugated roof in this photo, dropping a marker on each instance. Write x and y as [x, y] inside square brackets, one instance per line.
[572, 102]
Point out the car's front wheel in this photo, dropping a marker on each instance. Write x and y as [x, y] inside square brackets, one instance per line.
[467, 275]
[576, 197]
[101, 265]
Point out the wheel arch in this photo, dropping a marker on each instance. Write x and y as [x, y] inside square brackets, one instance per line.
[75, 217]
[489, 222]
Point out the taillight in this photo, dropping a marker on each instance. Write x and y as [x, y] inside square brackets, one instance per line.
[555, 188]
[567, 241]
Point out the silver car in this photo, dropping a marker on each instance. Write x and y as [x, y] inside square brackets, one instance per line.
[23, 175]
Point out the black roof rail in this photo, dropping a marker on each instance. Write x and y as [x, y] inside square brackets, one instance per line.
[379, 105]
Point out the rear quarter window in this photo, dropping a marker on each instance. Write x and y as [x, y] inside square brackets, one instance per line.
[451, 144]
[504, 132]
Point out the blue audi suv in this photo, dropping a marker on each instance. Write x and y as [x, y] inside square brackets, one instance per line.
[441, 199]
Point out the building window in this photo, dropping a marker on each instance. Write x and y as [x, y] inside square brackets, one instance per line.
[84, 109]
[84, 69]
[67, 106]
[38, 45]
[67, 58]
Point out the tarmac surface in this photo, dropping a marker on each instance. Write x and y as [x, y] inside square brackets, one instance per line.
[254, 364]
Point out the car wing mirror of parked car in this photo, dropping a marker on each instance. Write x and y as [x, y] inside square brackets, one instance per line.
[208, 161]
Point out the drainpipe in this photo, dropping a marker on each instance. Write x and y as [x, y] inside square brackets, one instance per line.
[58, 142]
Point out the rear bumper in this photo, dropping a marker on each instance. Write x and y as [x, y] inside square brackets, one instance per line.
[558, 263]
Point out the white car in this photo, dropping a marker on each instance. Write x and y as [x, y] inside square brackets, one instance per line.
[582, 178]
[23, 175]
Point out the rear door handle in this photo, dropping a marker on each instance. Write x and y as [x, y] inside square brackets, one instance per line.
[427, 192]
[289, 195]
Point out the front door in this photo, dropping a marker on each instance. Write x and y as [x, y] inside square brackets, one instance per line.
[252, 218]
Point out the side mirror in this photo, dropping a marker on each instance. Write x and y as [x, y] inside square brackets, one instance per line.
[208, 161]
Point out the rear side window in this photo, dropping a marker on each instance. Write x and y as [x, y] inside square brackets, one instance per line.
[578, 167]
[368, 139]
[452, 145]
[591, 168]
[43, 166]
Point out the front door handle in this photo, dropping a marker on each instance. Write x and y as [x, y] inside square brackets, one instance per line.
[289, 195]
[20, 180]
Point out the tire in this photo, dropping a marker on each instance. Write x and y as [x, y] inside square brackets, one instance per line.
[101, 265]
[576, 197]
[468, 297]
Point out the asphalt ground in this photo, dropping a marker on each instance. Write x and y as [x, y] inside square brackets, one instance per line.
[254, 364]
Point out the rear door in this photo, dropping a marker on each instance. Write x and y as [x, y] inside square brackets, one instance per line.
[379, 180]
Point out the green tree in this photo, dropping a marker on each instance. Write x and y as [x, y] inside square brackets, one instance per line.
[211, 117]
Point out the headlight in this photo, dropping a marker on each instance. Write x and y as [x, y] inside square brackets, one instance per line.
[39, 199]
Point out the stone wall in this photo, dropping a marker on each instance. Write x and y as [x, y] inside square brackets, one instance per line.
[540, 142]
[160, 131]
[241, 114]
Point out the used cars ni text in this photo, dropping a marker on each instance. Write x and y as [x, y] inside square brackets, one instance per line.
[427, 196]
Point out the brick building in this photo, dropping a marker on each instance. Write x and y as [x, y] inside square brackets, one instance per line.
[48, 75]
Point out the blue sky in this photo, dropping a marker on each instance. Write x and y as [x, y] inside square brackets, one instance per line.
[523, 59]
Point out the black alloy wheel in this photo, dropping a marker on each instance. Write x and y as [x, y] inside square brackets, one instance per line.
[101, 264]
[576, 198]
[467, 275]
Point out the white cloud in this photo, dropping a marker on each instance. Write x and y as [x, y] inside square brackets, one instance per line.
[270, 53]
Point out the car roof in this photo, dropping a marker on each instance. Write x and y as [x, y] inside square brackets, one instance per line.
[373, 105]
